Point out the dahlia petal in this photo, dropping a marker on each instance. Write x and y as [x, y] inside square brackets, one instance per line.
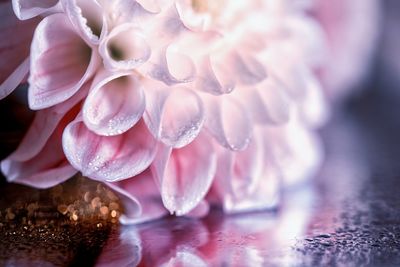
[296, 151]
[185, 174]
[171, 23]
[26, 9]
[309, 38]
[42, 166]
[143, 189]
[36, 172]
[108, 158]
[190, 18]
[287, 68]
[150, 5]
[270, 103]
[314, 108]
[114, 105]
[14, 48]
[228, 122]
[71, 102]
[12, 82]
[276, 101]
[180, 66]
[173, 67]
[124, 48]
[60, 63]
[43, 126]
[174, 117]
[246, 180]
[88, 17]
[132, 207]
[248, 69]
[214, 78]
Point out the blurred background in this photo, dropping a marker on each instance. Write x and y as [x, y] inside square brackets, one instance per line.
[348, 216]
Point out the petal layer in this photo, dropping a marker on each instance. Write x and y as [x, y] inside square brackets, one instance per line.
[88, 18]
[14, 49]
[108, 158]
[114, 104]
[174, 116]
[61, 62]
[185, 175]
[142, 190]
[26, 9]
[43, 165]
[228, 122]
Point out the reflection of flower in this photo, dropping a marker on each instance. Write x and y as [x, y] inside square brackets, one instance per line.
[180, 96]
[256, 239]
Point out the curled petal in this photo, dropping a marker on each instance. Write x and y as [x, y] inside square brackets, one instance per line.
[247, 180]
[132, 207]
[185, 175]
[14, 48]
[44, 164]
[228, 122]
[114, 104]
[296, 151]
[173, 67]
[269, 102]
[248, 69]
[180, 66]
[108, 158]
[124, 48]
[313, 107]
[60, 63]
[214, 77]
[42, 171]
[88, 17]
[195, 21]
[276, 101]
[26, 9]
[171, 23]
[150, 5]
[175, 117]
[309, 37]
[44, 125]
[12, 82]
[286, 67]
[141, 199]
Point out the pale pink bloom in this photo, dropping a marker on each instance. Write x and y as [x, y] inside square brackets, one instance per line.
[178, 103]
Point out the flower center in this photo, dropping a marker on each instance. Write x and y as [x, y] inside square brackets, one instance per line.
[212, 7]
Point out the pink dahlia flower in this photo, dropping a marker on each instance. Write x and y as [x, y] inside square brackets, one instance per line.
[175, 104]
